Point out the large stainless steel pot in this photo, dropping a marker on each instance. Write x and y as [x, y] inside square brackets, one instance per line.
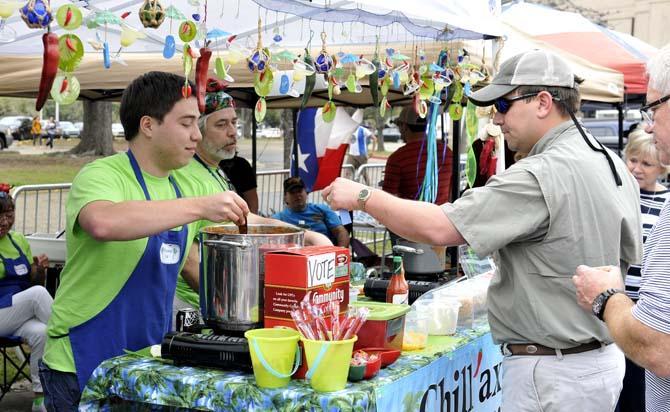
[232, 273]
[421, 258]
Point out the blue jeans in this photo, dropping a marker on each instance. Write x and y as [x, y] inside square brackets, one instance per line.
[61, 389]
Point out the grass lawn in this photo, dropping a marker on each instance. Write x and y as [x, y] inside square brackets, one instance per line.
[57, 167]
[20, 170]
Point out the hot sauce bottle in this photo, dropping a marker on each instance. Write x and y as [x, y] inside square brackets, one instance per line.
[398, 290]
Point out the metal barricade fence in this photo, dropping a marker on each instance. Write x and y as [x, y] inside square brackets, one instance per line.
[271, 189]
[40, 208]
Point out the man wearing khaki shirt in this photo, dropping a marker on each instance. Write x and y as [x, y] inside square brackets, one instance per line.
[569, 201]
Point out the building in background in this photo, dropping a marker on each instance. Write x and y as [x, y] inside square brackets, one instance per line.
[644, 19]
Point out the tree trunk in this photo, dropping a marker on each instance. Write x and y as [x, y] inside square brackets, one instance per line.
[244, 118]
[286, 126]
[96, 136]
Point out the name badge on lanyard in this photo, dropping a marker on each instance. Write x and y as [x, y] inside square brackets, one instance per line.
[21, 269]
[170, 253]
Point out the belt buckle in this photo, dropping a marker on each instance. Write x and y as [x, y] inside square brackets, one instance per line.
[531, 349]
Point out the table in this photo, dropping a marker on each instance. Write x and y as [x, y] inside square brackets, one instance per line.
[454, 373]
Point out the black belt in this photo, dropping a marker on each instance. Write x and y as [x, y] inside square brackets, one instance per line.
[525, 349]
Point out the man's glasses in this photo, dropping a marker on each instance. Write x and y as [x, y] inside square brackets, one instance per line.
[503, 104]
[647, 111]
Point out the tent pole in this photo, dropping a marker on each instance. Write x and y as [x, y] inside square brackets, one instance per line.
[294, 164]
[620, 145]
[455, 181]
[254, 127]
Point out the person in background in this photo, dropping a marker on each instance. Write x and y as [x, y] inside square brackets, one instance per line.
[568, 201]
[241, 174]
[642, 329]
[643, 161]
[51, 128]
[36, 130]
[24, 309]
[314, 216]
[406, 167]
[359, 142]
[129, 225]
[218, 128]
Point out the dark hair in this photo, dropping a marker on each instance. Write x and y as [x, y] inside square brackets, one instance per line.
[567, 99]
[6, 202]
[152, 94]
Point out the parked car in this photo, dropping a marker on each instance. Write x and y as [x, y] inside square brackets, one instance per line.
[117, 130]
[79, 126]
[6, 139]
[67, 130]
[16, 126]
[269, 132]
[607, 131]
[391, 134]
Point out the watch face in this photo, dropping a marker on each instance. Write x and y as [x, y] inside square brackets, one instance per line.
[363, 194]
[598, 304]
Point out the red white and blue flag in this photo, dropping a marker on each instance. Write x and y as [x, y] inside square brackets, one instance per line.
[322, 146]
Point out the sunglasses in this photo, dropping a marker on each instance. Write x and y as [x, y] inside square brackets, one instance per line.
[503, 104]
[647, 111]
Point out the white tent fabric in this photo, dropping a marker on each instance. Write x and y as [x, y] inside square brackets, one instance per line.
[345, 22]
[294, 20]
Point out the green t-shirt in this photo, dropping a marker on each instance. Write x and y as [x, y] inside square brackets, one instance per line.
[207, 182]
[8, 251]
[96, 271]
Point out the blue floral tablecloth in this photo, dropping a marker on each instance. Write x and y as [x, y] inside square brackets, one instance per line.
[149, 384]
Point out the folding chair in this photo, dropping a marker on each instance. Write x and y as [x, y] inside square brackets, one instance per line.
[7, 342]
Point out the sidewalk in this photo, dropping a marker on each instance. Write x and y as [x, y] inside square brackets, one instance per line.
[19, 399]
[26, 147]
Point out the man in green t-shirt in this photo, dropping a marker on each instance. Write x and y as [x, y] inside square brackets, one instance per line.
[218, 126]
[129, 226]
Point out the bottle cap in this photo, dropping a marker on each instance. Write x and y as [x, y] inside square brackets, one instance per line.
[397, 259]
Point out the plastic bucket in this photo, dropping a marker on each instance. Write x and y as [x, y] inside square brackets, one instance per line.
[328, 363]
[275, 355]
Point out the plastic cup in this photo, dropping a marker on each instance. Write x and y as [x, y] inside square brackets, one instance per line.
[416, 331]
[274, 355]
[445, 317]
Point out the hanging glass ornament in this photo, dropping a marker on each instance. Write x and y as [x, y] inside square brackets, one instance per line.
[7, 8]
[323, 62]
[187, 31]
[258, 61]
[152, 14]
[69, 17]
[65, 89]
[36, 14]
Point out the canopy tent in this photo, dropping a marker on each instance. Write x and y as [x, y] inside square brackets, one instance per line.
[601, 84]
[579, 36]
[293, 20]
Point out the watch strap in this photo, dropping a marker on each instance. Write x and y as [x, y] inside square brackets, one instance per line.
[604, 298]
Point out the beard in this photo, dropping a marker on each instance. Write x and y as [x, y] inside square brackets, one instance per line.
[219, 153]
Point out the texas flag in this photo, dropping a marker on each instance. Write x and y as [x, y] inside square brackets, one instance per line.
[322, 146]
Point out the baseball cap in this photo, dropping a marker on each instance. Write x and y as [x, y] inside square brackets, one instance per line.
[410, 117]
[532, 68]
[293, 183]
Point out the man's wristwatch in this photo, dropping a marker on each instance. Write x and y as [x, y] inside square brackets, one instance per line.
[599, 303]
[363, 197]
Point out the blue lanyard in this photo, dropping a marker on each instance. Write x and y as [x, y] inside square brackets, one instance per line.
[221, 179]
